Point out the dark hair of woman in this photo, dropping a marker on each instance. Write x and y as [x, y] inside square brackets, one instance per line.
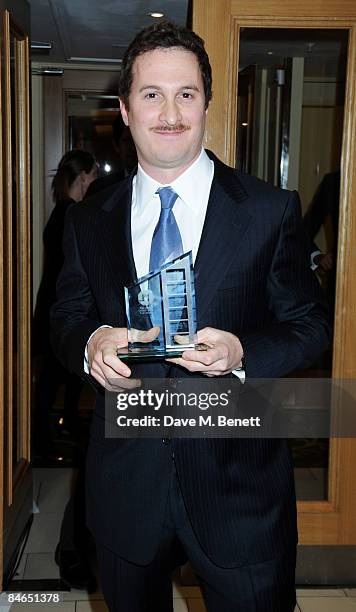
[74, 164]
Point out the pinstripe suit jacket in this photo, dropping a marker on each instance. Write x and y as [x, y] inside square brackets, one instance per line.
[252, 279]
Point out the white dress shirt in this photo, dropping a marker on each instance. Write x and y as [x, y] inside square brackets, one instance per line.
[193, 189]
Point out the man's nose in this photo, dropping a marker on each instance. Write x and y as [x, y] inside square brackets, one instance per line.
[170, 113]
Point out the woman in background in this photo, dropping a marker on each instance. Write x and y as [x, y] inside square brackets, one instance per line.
[76, 171]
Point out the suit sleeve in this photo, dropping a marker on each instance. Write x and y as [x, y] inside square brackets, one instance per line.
[299, 331]
[73, 316]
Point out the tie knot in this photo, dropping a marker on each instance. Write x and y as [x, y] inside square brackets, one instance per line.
[167, 196]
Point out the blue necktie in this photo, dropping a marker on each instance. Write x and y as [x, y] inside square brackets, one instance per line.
[167, 241]
[166, 246]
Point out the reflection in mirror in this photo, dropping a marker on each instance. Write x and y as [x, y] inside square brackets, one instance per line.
[291, 91]
[90, 127]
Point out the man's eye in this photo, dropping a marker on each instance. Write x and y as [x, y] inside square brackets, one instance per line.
[186, 95]
[151, 95]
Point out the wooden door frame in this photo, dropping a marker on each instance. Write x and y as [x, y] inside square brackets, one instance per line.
[2, 353]
[16, 474]
[320, 522]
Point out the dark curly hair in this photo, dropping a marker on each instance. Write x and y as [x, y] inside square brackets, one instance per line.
[164, 35]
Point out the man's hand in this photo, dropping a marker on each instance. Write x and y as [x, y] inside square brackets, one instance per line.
[223, 355]
[138, 335]
[325, 262]
[104, 364]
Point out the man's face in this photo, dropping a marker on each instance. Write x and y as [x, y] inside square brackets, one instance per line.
[166, 111]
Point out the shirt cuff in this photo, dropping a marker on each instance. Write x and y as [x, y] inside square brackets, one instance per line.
[86, 360]
[241, 374]
[313, 265]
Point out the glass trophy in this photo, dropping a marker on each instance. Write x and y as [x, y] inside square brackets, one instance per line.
[161, 312]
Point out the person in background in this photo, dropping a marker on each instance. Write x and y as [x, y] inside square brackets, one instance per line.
[76, 171]
[324, 211]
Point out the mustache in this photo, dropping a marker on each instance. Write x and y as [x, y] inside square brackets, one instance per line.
[178, 127]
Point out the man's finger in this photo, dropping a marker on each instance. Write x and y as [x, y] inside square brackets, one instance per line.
[209, 335]
[191, 366]
[98, 377]
[208, 357]
[180, 339]
[117, 366]
[139, 335]
[217, 368]
[122, 384]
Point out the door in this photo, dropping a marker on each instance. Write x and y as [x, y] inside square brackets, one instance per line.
[15, 283]
[278, 144]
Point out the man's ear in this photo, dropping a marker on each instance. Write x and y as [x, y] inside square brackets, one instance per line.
[124, 113]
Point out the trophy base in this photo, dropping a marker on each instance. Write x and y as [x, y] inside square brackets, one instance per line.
[154, 354]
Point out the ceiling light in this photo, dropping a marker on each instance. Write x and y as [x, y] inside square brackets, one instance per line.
[156, 15]
[48, 71]
[40, 45]
[101, 60]
[269, 52]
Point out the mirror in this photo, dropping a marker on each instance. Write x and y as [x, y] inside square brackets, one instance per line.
[291, 91]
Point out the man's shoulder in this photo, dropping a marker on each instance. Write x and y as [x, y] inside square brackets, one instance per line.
[103, 182]
[257, 192]
[258, 188]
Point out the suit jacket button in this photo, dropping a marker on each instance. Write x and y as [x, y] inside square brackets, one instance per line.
[166, 441]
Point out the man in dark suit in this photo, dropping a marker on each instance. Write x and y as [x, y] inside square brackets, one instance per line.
[324, 210]
[227, 505]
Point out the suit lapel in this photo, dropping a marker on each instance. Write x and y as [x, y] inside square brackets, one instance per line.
[115, 229]
[224, 228]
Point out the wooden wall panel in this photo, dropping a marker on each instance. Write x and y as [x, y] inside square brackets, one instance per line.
[211, 21]
[293, 9]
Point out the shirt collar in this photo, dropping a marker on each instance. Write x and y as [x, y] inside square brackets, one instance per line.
[188, 185]
[145, 188]
[191, 185]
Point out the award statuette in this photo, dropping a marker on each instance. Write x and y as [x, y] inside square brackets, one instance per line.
[161, 312]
